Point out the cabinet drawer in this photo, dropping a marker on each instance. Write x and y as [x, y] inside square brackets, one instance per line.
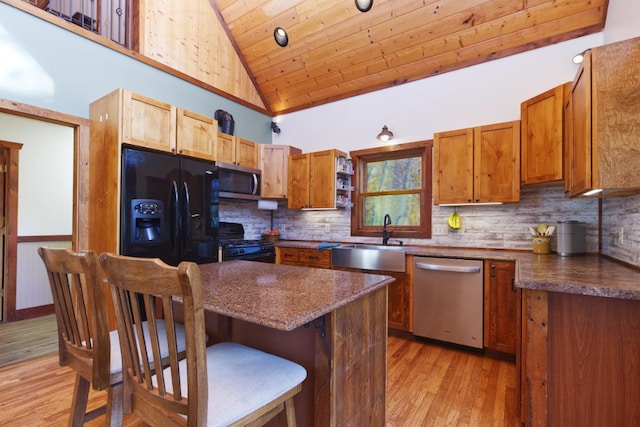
[288, 255]
[313, 257]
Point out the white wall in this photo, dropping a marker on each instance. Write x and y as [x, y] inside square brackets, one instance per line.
[482, 94]
[623, 20]
[45, 194]
[45, 198]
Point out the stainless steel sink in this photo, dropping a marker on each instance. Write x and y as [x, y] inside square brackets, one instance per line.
[369, 257]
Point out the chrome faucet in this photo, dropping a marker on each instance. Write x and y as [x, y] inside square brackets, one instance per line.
[385, 233]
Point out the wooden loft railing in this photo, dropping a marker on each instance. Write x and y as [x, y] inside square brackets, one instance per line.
[108, 18]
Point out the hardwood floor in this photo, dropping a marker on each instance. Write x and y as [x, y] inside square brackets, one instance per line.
[428, 385]
[432, 385]
[27, 339]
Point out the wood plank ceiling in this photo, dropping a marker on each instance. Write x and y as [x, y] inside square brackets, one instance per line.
[335, 51]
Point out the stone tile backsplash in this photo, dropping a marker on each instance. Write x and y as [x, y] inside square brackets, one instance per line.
[494, 226]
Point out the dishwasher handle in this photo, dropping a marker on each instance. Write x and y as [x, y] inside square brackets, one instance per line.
[449, 268]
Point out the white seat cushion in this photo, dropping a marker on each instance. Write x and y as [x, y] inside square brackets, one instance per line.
[242, 379]
[116, 357]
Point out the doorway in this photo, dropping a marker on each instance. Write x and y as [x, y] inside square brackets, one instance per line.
[12, 308]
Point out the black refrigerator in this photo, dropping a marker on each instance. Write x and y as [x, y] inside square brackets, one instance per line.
[169, 207]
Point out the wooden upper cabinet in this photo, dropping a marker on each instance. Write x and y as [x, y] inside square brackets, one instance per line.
[246, 153]
[453, 166]
[298, 186]
[147, 122]
[274, 166]
[237, 151]
[496, 164]
[156, 125]
[195, 134]
[322, 179]
[225, 148]
[312, 179]
[578, 133]
[542, 136]
[601, 121]
[477, 165]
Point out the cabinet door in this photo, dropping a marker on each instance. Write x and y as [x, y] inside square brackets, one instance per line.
[246, 153]
[195, 135]
[578, 133]
[148, 123]
[453, 166]
[542, 136]
[322, 181]
[398, 302]
[501, 307]
[274, 165]
[496, 165]
[315, 258]
[298, 181]
[225, 148]
[287, 256]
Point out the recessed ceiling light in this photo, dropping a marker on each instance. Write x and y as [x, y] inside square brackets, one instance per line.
[364, 5]
[281, 36]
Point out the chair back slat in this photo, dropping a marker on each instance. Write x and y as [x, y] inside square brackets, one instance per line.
[143, 291]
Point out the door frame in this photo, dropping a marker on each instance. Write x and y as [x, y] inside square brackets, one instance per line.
[80, 192]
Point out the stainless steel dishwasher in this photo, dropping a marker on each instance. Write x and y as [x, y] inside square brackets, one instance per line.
[448, 300]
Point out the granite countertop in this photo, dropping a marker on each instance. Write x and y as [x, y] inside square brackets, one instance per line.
[280, 296]
[593, 275]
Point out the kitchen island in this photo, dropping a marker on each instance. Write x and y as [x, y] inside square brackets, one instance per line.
[334, 323]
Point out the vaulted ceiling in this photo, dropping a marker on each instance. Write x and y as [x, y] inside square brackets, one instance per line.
[336, 51]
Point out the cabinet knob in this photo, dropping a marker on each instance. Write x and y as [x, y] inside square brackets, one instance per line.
[522, 181]
[477, 200]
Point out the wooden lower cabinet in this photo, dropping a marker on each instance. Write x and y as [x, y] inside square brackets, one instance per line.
[287, 256]
[314, 258]
[501, 299]
[399, 306]
[580, 360]
[303, 257]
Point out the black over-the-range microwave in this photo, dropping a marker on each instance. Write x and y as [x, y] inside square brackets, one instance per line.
[238, 182]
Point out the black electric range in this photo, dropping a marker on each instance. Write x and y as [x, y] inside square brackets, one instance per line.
[234, 246]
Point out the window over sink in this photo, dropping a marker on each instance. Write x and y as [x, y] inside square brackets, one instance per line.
[394, 180]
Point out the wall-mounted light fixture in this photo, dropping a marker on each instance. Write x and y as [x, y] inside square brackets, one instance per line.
[364, 5]
[274, 127]
[385, 135]
[578, 58]
[281, 37]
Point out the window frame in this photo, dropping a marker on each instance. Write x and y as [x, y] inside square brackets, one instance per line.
[359, 158]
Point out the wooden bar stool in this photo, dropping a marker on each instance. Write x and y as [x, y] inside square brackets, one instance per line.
[226, 384]
[84, 342]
